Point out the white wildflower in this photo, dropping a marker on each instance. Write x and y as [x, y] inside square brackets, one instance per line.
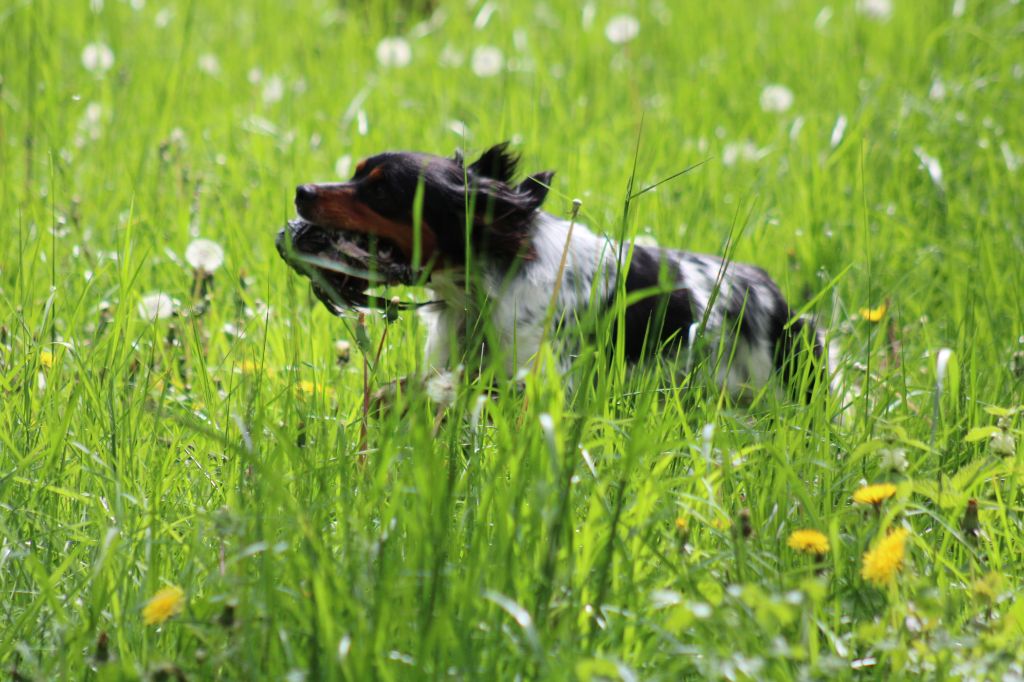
[394, 51]
[204, 255]
[255, 75]
[487, 61]
[879, 10]
[97, 57]
[273, 90]
[938, 90]
[776, 98]
[209, 64]
[157, 306]
[1003, 444]
[893, 459]
[622, 29]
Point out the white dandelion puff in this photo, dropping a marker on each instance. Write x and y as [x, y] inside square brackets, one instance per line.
[487, 61]
[879, 10]
[163, 18]
[776, 98]
[394, 51]
[97, 57]
[209, 64]
[621, 29]
[157, 306]
[204, 255]
[273, 90]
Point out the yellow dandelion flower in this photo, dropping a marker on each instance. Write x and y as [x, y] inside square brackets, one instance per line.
[874, 314]
[164, 604]
[46, 358]
[808, 541]
[882, 563]
[310, 388]
[682, 524]
[253, 367]
[874, 494]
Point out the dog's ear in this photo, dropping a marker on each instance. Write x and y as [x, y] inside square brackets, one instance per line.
[497, 163]
[458, 158]
[536, 187]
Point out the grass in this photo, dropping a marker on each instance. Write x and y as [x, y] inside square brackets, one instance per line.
[626, 529]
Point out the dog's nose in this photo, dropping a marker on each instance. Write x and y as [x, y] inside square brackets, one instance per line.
[305, 193]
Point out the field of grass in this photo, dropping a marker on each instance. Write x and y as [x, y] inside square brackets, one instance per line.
[869, 155]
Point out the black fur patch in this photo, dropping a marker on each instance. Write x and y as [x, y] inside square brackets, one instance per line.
[657, 319]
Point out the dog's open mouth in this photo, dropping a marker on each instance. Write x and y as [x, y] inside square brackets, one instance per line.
[342, 265]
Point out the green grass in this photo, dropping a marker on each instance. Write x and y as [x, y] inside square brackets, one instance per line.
[533, 535]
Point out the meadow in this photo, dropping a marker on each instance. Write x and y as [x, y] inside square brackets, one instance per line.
[190, 487]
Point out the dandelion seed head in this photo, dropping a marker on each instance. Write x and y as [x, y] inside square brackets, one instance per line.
[487, 61]
[621, 29]
[97, 57]
[157, 306]
[209, 64]
[273, 90]
[394, 51]
[879, 10]
[776, 98]
[205, 255]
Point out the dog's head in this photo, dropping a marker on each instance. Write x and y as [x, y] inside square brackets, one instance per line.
[404, 215]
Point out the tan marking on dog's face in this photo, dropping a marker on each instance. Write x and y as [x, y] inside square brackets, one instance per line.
[336, 207]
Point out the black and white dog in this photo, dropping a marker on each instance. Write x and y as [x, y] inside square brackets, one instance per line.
[488, 252]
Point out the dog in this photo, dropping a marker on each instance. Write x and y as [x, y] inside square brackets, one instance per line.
[494, 260]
